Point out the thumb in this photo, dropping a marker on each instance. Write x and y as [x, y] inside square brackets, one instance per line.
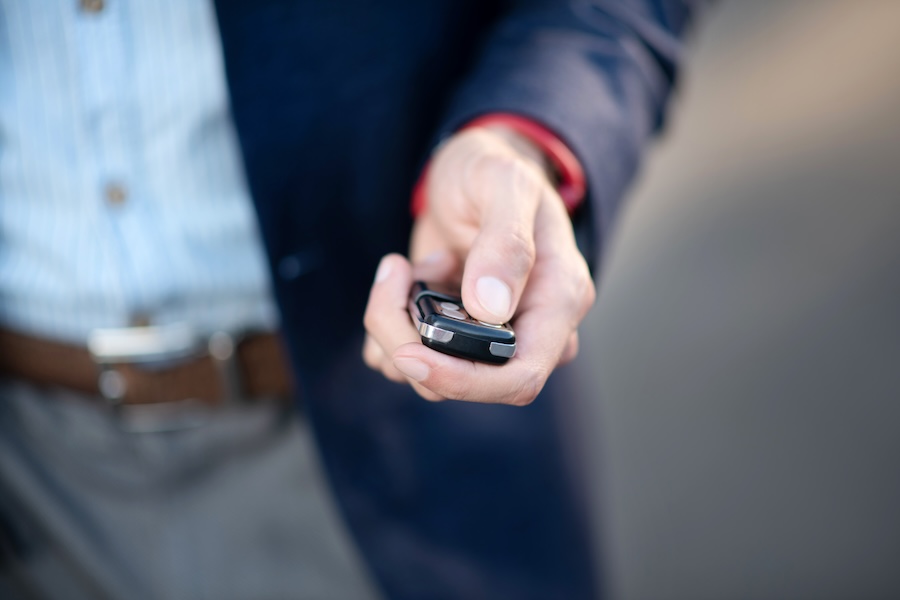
[507, 192]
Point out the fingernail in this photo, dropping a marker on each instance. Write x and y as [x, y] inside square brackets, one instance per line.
[412, 368]
[384, 270]
[434, 257]
[494, 296]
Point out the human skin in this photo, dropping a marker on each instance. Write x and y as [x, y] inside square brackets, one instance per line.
[494, 221]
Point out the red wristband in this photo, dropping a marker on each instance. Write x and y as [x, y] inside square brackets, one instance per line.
[571, 185]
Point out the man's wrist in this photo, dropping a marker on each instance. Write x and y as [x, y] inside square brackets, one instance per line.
[524, 147]
[534, 142]
[568, 174]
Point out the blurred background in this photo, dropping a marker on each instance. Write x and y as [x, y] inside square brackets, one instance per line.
[741, 370]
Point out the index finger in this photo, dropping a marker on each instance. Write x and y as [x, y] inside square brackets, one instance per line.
[498, 264]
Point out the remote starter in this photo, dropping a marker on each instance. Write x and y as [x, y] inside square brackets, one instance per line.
[445, 326]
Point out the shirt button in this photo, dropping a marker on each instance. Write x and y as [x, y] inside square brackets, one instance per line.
[139, 320]
[91, 6]
[290, 267]
[115, 194]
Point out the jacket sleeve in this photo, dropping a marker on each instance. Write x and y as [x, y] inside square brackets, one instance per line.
[597, 73]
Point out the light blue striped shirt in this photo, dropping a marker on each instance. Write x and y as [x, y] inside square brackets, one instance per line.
[121, 185]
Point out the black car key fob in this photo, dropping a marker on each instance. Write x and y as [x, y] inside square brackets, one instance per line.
[445, 326]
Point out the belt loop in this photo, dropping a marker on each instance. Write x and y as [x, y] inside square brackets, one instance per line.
[112, 384]
[222, 348]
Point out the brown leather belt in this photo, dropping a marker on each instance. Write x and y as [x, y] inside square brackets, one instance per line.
[257, 368]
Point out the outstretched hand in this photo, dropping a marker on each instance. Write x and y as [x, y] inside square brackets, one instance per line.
[495, 223]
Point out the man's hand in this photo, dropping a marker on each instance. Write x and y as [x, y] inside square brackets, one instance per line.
[493, 218]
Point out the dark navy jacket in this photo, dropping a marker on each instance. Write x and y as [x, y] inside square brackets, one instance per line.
[337, 104]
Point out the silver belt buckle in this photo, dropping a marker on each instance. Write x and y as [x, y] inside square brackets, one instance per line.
[157, 347]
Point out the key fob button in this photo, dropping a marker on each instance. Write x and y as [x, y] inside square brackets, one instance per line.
[454, 314]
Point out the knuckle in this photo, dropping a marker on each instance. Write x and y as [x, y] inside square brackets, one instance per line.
[581, 293]
[588, 295]
[570, 352]
[517, 251]
[368, 347]
[528, 389]
[455, 389]
[370, 319]
[455, 384]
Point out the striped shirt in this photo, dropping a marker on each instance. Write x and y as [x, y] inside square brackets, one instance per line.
[122, 192]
